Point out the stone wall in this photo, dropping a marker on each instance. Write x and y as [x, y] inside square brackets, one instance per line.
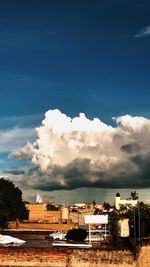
[71, 257]
[62, 257]
[19, 256]
[101, 258]
[143, 256]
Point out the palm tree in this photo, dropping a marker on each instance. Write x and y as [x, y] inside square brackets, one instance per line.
[134, 195]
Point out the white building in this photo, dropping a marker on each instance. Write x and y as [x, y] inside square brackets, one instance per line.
[119, 202]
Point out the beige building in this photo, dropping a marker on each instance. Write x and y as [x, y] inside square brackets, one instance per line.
[38, 212]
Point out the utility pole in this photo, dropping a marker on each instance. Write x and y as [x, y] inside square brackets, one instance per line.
[139, 221]
[134, 228]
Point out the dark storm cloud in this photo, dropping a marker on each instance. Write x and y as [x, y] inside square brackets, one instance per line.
[131, 148]
[15, 171]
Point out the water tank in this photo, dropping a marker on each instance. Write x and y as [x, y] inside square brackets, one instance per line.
[65, 213]
[123, 228]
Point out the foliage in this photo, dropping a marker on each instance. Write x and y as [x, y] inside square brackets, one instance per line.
[12, 206]
[107, 206]
[139, 219]
[94, 203]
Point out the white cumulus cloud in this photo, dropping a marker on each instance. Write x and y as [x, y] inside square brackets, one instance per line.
[78, 152]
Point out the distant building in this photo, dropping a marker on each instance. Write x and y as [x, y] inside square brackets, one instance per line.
[39, 212]
[119, 202]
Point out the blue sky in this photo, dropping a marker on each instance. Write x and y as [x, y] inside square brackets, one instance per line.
[75, 56]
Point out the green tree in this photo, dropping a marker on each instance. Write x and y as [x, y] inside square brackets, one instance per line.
[12, 206]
